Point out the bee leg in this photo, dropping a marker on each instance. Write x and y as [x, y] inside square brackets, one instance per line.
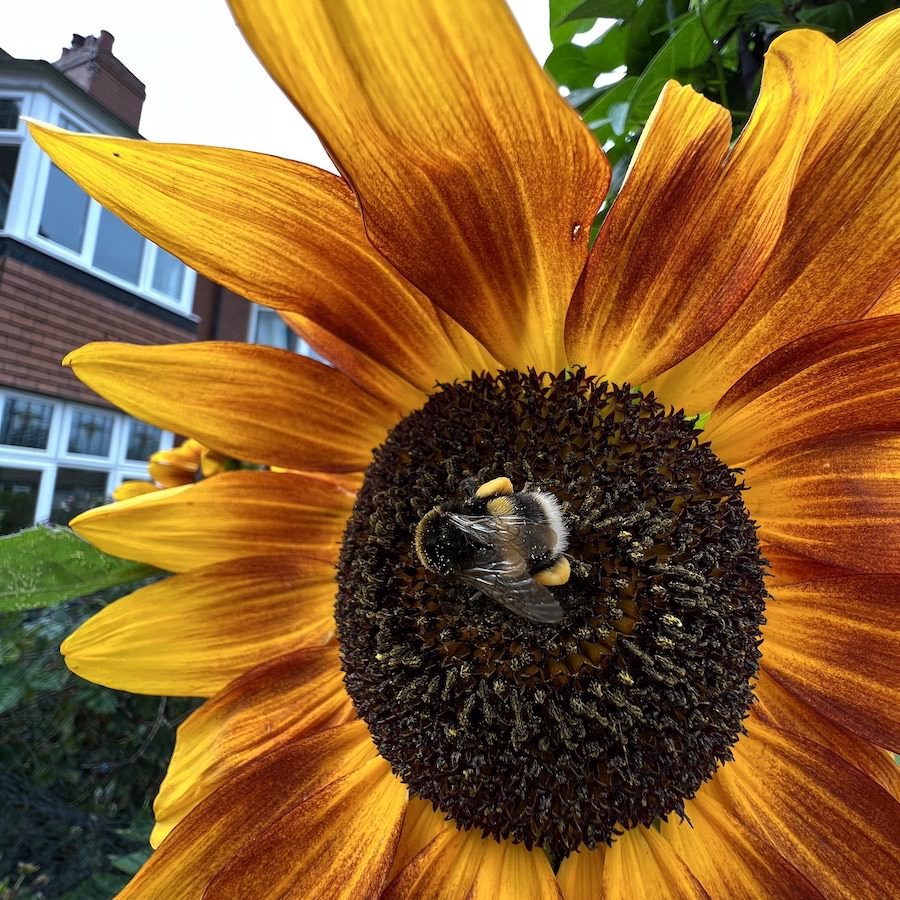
[496, 487]
[556, 575]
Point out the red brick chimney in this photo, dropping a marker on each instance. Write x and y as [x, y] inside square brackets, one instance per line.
[90, 63]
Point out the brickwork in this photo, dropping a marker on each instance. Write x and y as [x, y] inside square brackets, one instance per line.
[43, 317]
[224, 315]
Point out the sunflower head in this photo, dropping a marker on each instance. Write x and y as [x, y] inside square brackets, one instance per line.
[452, 734]
[554, 734]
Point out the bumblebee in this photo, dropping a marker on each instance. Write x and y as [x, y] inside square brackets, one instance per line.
[507, 545]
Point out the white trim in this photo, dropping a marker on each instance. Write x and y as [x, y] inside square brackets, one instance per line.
[56, 456]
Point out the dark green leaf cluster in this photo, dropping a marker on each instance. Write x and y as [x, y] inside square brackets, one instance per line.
[716, 46]
[79, 764]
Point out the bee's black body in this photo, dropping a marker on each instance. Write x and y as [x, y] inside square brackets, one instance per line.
[499, 542]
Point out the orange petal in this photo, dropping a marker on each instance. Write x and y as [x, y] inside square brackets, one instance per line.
[335, 845]
[780, 708]
[640, 865]
[834, 825]
[789, 568]
[838, 249]
[728, 858]
[232, 515]
[838, 380]
[281, 233]
[421, 825]
[263, 709]
[257, 404]
[888, 303]
[694, 224]
[191, 634]
[475, 178]
[226, 822]
[833, 644]
[836, 500]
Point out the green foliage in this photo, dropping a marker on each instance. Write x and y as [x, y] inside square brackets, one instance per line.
[79, 764]
[44, 566]
[716, 46]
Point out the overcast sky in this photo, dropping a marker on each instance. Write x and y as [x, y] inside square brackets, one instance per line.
[203, 84]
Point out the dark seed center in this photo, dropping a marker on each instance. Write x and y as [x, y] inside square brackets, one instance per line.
[555, 734]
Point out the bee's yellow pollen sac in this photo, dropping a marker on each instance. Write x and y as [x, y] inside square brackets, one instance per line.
[495, 487]
[556, 575]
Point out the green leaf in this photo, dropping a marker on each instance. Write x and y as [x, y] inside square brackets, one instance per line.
[650, 29]
[685, 50]
[44, 566]
[835, 19]
[599, 9]
[606, 117]
[578, 67]
[129, 863]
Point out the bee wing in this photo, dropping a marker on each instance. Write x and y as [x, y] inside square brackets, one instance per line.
[516, 533]
[505, 578]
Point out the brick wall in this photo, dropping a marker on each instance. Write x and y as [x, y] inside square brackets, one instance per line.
[43, 317]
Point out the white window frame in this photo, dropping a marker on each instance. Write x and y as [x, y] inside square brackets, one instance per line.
[29, 192]
[56, 455]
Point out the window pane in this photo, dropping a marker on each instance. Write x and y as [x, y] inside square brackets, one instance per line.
[143, 439]
[119, 248]
[18, 498]
[75, 491]
[65, 211]
[26, 423]
[9, 113]
[272, 330]
[91, 433]
[9, 155]
[168, 274]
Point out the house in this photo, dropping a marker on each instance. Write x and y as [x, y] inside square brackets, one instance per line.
[72, 272]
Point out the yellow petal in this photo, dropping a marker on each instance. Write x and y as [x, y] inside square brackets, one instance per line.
[281, 233]
[694, 224]
[463, 865]
[421, 825]
[232, 515]
[834, 824]
[838, 249]
[475, 178]
[191, 634]
[833, 644]
[836, 500]
[509, 871]
[219, 828]
[780, 708]
[268, 706]
[257, 404]
[727, 857]
[640, 865]
[838, 380]
[335, 845]
[128, 489]
[444, 869]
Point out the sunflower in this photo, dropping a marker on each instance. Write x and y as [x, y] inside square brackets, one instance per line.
[709, 713]
[181, 465]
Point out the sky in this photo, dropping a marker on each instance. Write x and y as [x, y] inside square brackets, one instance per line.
[204, 85]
